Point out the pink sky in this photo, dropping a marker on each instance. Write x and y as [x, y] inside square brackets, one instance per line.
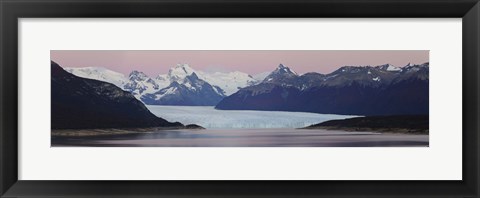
[249, 61]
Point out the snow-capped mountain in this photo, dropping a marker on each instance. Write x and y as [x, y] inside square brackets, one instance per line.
[179, 72]
[100, 73]
[281, 74]
[136, 82]
[80, 103]
[350, 90]
[140, 84]
[389, 67]
[189, 91]
[369, 76]
[162, 80]
[230, 82]
[367, 90]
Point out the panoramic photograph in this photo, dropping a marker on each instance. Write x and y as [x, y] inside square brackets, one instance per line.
[239, 98]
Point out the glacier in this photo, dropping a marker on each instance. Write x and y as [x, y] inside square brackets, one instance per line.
[211, 118]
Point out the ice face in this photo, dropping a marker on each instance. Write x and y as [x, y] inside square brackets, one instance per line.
[211, 118]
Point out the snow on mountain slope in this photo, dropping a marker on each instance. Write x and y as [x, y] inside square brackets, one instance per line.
[229, 82]
[140, 84]
[162, 80]
[191, 91]
[100, 73]
[280, 73]
[179, 72]
[358, 90]
[389, 67]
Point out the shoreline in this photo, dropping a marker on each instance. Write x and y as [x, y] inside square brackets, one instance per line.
[151, 130]
[402, 124]
[112, 131]
[377, 130]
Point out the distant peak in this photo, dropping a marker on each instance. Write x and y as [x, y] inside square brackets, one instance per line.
[183, 67]
[180, 65]
[138, 74]
[135, 72]
[180, 71]
[282, 69]
[389, 67]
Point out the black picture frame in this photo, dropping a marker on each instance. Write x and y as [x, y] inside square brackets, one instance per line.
[12, 10]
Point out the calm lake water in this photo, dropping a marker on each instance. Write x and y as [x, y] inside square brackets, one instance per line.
[232, 128]
[247, 138]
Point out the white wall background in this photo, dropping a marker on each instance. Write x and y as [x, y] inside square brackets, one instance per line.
[442, 160]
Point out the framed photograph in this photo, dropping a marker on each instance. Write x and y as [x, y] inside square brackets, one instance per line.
[229, 98]
[218, 104]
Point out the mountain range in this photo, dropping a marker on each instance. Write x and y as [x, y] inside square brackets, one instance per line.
[182, 85]
[350, 90]
[80, 103]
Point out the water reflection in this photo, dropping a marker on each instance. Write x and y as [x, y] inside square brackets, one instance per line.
[246, 138]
